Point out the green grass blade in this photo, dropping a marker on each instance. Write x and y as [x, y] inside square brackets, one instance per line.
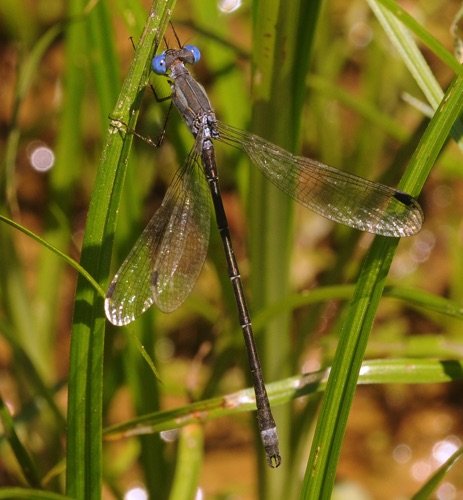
[278, 32]
[426, 300]
[31, 374]
[396, 23]
[415, 298]
[375, 371]
[321, 468]
[270, 212]
[56, 251]
[189, 463]
[84, 471]
[432, 483]
[28, 494]
[424, 35]
[83, 458]
[25, 461]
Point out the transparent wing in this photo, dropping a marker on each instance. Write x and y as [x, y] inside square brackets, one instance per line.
[166, 260]
[332, 193]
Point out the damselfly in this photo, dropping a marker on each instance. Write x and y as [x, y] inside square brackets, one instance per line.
[165, 262]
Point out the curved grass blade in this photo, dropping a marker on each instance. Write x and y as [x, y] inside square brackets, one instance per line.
[432, 483]
[56, 251]
[375, 371]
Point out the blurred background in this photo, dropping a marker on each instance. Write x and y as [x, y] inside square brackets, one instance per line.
[361, 112]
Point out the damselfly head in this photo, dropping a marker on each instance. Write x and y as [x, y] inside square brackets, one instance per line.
[187, 55]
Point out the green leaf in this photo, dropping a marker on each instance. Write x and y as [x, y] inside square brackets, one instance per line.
[432, 483]
[329, 434]
[84, 461]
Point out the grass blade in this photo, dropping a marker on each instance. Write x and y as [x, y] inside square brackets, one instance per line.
[84, 472]
[189, 463]
[321, 468]
[24, 459]
[375, 371]
[432, 483]
[278, 32]
[388, 14]
[27, 494]
[56, 251]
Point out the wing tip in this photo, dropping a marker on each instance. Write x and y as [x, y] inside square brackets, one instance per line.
[405, 198]
[115, 313]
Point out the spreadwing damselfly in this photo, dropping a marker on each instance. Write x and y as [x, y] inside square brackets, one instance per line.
[166, 260]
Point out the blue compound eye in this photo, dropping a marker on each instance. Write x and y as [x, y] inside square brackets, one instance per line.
[159, 64]
[195, 51]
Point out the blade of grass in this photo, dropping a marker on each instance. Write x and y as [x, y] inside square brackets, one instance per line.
[25, 461]
[56, 251]
[31, 374]
[424, 35]
[395, 22]
[416, 298]
[379, 371]
[83, 457]
[431, 484]
[426, 300]
[270, 212]
[189, 463]
[28, 494]
[84, 471]
[278, 32]
[321, 468]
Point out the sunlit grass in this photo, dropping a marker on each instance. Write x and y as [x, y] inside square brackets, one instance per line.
[336, 87]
